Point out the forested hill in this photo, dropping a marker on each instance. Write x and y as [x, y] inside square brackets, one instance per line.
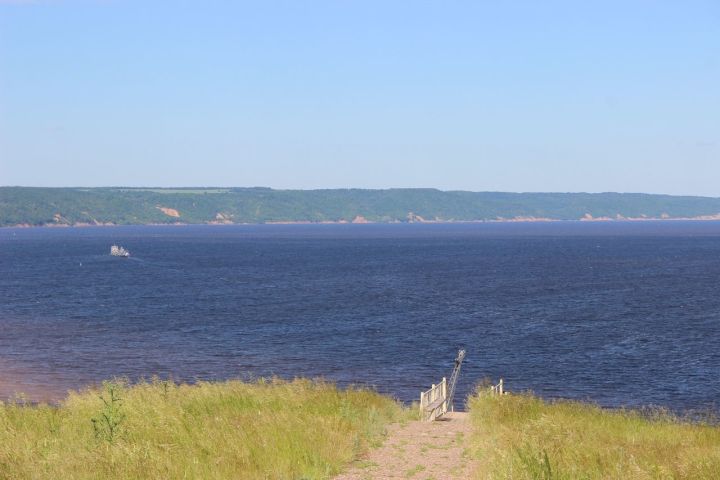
[76, 206]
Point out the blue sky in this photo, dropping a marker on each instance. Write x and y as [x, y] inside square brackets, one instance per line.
[513, 96]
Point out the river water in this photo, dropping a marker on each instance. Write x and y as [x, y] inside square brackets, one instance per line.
[619, 313]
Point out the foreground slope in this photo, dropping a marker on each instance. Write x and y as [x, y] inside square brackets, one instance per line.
[524, 437]
[274, 430]
[123, 206]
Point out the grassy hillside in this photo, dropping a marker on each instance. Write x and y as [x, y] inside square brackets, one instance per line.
[48, 206]
[524, 437]
[275, 430]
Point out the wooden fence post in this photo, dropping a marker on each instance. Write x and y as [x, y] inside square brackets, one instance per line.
[443, 392]
[434, 402]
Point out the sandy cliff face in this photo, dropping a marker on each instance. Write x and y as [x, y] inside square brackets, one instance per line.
[589, 218]
[413, 218]
[170, 212]
[222, 219]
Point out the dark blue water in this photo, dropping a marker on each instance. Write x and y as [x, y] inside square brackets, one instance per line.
[619, 313]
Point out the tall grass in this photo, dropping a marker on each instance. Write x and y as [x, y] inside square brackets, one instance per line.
[524, 437]
[158, 430]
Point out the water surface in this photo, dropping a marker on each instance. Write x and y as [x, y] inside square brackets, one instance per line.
[620, 313]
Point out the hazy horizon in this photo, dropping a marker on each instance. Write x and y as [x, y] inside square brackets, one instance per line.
[474, 96]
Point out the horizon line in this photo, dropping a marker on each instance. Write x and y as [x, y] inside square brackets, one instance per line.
[257, 187]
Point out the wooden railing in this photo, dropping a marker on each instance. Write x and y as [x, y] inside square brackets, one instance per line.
[497, 389]
[433, 403]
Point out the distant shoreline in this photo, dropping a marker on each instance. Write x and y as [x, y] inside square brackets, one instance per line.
[29, 207]
[702, 218]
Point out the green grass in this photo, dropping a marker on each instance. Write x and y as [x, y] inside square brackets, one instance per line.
[157, 430]
[524, 437]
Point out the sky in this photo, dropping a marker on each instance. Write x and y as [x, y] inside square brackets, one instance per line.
[517, 96]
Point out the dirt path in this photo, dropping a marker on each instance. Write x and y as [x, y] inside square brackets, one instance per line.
[419, 450]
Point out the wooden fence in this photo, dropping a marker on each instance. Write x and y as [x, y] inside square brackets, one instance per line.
[497, 389]
[433, 403]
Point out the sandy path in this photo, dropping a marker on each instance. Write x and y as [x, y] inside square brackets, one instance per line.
[419, 450]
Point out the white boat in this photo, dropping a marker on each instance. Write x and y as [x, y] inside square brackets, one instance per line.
[118, 251]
